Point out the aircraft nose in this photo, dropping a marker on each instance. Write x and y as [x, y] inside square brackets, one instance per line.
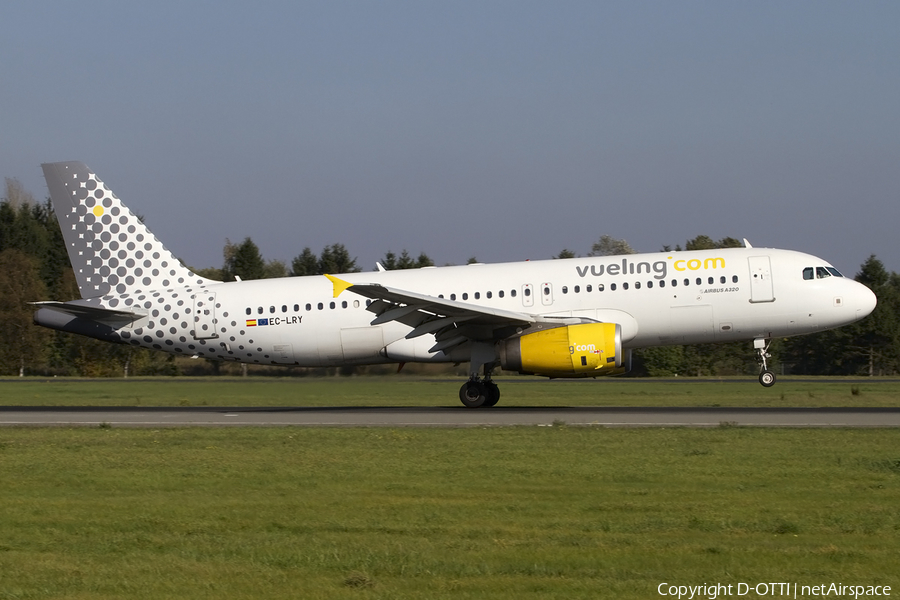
[864, 301]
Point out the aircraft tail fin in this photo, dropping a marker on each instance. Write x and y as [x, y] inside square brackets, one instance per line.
[111, 251]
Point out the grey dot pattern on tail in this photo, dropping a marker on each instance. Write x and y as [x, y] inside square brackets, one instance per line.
[112, 251]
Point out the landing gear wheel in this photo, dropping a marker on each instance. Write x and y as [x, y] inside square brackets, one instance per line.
[493, 394]
[766, 377]
[473, 394]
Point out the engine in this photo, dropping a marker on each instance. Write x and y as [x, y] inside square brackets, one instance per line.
[584, 350]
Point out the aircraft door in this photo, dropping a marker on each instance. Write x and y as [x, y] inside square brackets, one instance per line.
[691, 324]
[360, 344]
[205, 316]
[527, 295]
[761, 288]
[546, 294]
[283, 354]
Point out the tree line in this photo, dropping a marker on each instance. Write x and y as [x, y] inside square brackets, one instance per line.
[34, 266]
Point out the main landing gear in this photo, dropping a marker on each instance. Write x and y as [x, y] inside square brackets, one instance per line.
[766, 377]
[478, 392]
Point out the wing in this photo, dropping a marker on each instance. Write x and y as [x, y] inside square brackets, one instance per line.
[451, 322]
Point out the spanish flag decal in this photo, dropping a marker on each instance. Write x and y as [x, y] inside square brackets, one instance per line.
[251, 322]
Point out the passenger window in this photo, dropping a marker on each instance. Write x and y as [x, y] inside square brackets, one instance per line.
[260, 310]
[453, 296]
[309, 307]
[600, 287]
[662, 283]
[687, 281]
[577, 289]
[722, 279]
[649, 284]
[249, 311]
[674, 283]
[588, 289]
[272, 309]
[734, 279]
[612, 287]
[465, 296]
[512, 293]
[822, 273]
[565, 289]
[321, 306]
[546, 291]
[344, 304]
[625, 286]
[699, 281]
[527, 291]
[331, 305]
[356, 304]
[637, 285]
[284, 308]
[500, 293]
[488, 294]
[477, 295]
[711, 281]
[296, 308]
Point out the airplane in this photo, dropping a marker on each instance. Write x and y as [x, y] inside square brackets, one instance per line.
[578, 317]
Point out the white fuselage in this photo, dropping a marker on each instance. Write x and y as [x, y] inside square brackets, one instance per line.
[658, 299]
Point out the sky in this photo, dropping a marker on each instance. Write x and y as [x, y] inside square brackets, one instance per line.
[499, 130]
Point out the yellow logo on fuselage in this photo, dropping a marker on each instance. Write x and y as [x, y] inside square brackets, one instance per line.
[695, 264]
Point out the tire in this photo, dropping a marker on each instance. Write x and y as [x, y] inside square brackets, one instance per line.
[473, 394]
[767, 378]
[493, 394]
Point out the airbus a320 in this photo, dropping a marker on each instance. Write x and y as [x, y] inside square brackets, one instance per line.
[579, 317]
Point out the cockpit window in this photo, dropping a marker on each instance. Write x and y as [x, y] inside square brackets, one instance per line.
[820, 272]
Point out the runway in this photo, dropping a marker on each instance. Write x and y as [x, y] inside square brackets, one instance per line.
[447, 417]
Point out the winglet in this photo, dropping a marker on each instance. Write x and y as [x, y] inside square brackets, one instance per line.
[339, 284]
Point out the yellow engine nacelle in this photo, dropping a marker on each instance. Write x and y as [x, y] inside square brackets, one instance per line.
[585, 350]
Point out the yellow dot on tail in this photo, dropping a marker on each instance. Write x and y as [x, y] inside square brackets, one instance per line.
[98, 211]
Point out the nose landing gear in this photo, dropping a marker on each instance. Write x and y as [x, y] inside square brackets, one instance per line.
[766, 377]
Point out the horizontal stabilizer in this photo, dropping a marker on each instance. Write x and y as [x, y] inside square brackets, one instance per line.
[93, 313]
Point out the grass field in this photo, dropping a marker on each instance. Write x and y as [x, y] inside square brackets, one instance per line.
[556, 512]
[519, 512]
[415, 391]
